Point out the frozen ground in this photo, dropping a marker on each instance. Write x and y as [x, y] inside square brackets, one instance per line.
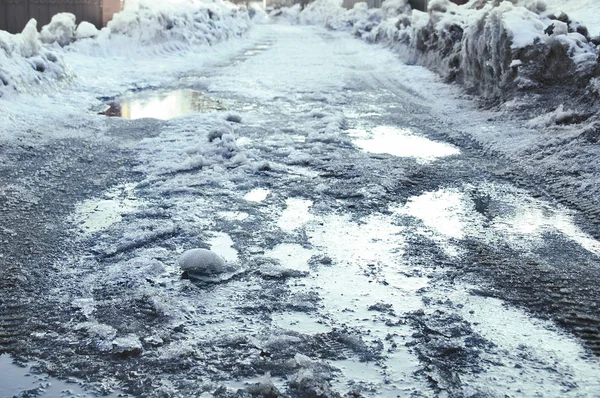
[376, 244]
[523, 59]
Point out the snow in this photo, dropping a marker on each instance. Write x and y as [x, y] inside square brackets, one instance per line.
[584, 11]
[86, 30]
[203, 262]
[61, 29]
[191, 170]
[26, 65]
[469, 43]
[169, 26]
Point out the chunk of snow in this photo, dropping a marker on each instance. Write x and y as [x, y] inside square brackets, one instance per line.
[86, 30]
[30, 44]
[203, 262]
[61, 29]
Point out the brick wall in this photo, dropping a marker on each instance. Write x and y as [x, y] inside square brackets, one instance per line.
[109, 8]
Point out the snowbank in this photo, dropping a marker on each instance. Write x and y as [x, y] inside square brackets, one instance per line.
[494, 47]
[147, 28]
[167, 26]
[25, 63]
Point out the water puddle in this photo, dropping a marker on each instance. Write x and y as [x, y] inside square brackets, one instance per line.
[97, 214]
[553, 359]
[221, 243]
[295, 215]
[401, 143]
[512, 217]
[163, 105]
[257, 195]
[19, 381]
[366, 290]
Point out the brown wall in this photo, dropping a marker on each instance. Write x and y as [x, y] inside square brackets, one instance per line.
[109, 8]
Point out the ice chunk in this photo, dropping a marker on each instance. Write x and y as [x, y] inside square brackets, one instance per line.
[127, 345]
[203, 262]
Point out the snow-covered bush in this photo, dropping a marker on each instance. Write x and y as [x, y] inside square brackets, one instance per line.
[61, 29]
[25, 62]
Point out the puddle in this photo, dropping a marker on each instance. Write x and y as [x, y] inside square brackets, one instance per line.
[295, 215]
[221, 243]
[163, 105]
[524, 342]
[257, 195]
[401, 143]
[516, 219]
[369, 270]
[291, 256]
[97, 214]
[19, 381]
[443, 211]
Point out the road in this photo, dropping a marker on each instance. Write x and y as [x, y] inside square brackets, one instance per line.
[373, 252]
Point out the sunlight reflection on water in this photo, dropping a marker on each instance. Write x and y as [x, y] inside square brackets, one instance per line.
[162, 105]
[401, 143]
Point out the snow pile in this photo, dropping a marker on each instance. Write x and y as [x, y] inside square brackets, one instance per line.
[167, 27]
[61, 29]
[86, 30]
[493, 47]
[25, 63]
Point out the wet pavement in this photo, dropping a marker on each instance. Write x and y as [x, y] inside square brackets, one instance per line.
[372, 256]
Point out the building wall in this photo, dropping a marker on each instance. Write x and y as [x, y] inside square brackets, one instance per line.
[109, 8]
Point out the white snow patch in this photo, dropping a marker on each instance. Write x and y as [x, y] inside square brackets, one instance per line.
[257, 195]
[61, 29]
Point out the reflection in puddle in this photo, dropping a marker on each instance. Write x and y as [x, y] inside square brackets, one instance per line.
[401, 143]
[97, 214]
[221, 243]
[521, 339]
[295, 215]
[162, 105]
[370, 269]
[516, 219]
[19, 381]
[443, 211]
[257, 195]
